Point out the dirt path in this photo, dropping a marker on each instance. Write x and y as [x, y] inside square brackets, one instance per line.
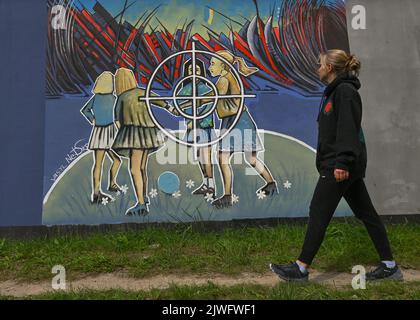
[120, 281]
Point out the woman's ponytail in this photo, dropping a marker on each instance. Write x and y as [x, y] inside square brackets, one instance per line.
[243, 68]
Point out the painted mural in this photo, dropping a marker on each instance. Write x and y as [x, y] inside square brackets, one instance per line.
[179, 111]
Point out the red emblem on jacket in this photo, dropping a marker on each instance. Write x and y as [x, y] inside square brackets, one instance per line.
[328, 107]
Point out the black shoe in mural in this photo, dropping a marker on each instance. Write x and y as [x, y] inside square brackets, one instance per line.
[202, 190]
[270, 189]
[146, 199]
[382, 272]
[289, 272]
[140, 209]
[210, 192]
[101, 198]
[223, 202]
[114, 188]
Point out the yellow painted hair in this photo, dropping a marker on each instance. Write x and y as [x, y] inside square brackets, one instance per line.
[104, 83]
[124, 81]
[243, 68]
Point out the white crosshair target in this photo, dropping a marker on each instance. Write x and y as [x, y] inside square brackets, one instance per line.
[194, 99]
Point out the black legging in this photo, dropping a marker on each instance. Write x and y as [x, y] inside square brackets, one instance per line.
[325, 200]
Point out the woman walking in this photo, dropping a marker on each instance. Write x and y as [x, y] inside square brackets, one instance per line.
[341, 162]
[99, 111]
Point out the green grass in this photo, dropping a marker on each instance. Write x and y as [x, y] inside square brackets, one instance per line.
[282, 291]
[185, 250]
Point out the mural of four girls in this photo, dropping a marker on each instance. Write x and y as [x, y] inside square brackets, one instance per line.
[180, 111]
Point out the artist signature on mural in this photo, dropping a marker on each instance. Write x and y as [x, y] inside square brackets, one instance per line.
[78, 149]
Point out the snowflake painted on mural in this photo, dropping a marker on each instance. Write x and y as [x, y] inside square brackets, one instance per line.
[209, 197]
[287, 184]
[261, 195]
[124, 189]
[176, 195]
[235, 198]
[190, 184]
[153, 193]
[104, 201]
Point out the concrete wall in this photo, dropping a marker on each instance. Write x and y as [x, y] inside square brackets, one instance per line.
[389, 49]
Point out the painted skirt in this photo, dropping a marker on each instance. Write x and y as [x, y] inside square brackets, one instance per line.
[135, 137]
[102, 137]
[243, 137]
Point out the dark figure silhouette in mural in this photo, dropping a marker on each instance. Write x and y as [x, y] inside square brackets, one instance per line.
[244, 136]
[137, 135]
[99, 111]
[205, 132]
[341, 162]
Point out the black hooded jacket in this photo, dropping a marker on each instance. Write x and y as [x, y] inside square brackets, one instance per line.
[341, 143]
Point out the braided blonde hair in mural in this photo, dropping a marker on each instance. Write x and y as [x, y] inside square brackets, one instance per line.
[243, 68]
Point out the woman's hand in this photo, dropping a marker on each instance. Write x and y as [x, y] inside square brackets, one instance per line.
[341, 175]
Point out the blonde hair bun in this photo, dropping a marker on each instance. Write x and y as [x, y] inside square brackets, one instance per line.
[342, 62]
[353, 64]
